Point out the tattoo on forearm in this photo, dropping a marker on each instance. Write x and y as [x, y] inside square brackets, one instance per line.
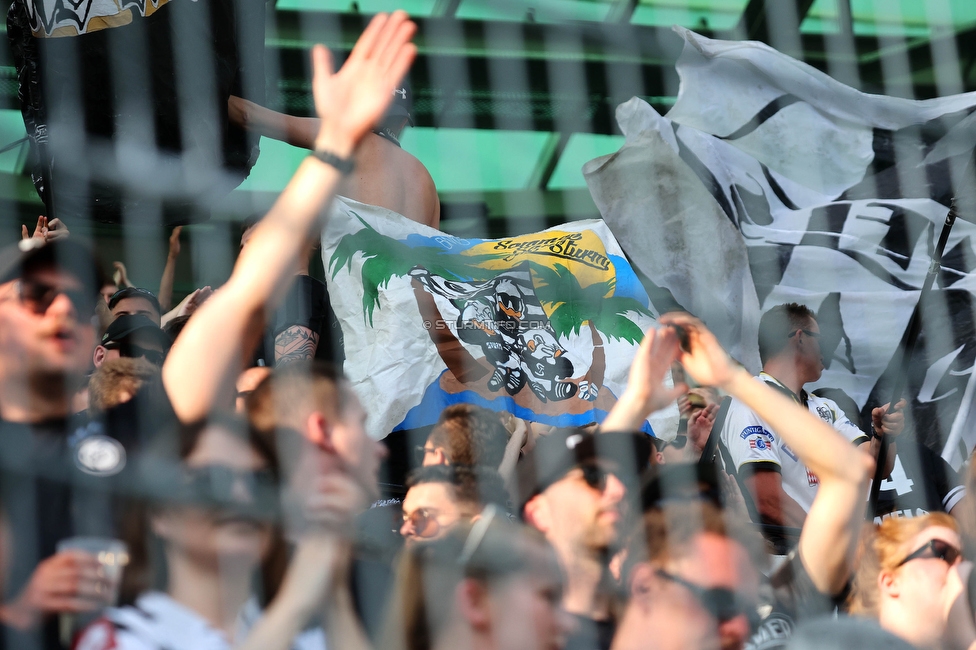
[294, 344]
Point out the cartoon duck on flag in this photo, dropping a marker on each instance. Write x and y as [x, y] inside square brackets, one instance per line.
[543, 326]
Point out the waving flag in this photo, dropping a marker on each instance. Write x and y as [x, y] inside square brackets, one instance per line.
[769, 182]
[543, 325]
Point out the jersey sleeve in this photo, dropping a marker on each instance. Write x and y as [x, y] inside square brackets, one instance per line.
[749, 440]
[844, 426]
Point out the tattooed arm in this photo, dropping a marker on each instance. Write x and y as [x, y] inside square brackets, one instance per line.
[294, 344]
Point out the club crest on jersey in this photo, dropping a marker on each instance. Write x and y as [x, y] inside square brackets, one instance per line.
[758, 443]
[825, 414]
[100, 456]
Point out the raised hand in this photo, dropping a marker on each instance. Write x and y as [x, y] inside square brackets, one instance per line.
[700, 425]
[192, 302]
[351, 101]
[889, 423]
[174, 242]
[45, 230]
[703, 357]
[120, 276]
[646, 391]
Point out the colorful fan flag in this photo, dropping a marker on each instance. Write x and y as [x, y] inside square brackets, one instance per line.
[769, 182]
[543, 326]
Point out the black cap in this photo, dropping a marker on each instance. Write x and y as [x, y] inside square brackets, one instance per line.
[402, 105]
[681, 482]
[134, 292]
[125, 326]
[565, 449]
[69, 255]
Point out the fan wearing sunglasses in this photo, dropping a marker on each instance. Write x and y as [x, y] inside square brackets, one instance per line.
[912, 579]
[690, 579]
[487, 585]
[574, 490]
[441, 496]
[132, 337]
[199, 554]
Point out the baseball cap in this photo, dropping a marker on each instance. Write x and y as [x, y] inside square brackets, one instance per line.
[402, 105]
[125, 326]
[69, 255]
[555, 454]
[134, 292]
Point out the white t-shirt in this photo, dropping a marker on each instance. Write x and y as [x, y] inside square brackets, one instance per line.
[157, 622]
[749, 439]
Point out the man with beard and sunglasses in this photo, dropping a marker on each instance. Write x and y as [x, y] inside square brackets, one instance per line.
[574, 489]
[132, 337]
[55, 487]
[688, 565]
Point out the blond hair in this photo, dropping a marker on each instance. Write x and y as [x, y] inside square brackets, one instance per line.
[882, 549]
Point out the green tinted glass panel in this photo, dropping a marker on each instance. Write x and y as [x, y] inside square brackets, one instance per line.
[11, 130]
[412, 7]
[475, 160]
[892, 17]
[274, 168]
[542, 11]
[703, 14]
[458, 159]
[581, 148]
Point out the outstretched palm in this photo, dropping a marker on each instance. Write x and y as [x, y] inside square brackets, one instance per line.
[351, 101]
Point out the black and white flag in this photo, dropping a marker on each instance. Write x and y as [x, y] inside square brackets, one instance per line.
[770, 182]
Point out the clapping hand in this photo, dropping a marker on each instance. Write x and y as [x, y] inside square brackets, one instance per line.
[46, 230]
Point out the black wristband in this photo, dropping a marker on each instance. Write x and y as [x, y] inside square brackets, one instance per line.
[344, 165]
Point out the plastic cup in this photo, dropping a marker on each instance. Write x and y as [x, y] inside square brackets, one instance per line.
[113, 555]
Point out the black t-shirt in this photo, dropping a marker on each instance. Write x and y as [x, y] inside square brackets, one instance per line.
[306, 304]
[65, 478]
[590, 634]
[789, 596]
[920, 482]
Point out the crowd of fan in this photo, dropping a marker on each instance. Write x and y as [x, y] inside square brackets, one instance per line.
[237, 470]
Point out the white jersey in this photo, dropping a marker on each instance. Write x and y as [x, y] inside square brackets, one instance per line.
[749, 439]
[157, 622]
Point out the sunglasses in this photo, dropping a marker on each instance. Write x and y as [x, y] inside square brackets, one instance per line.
[133, 351]
[420, 453]
[39, 296]
[423, 522]
[934, 548]
[228, 487]
[595, 476]
[679, 441]
[721, 603]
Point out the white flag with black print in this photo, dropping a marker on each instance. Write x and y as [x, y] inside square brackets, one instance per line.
[769, 182]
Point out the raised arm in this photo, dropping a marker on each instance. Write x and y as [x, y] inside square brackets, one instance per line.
[165, 295]
[829, 538]
[296, 131]
[349, 103]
